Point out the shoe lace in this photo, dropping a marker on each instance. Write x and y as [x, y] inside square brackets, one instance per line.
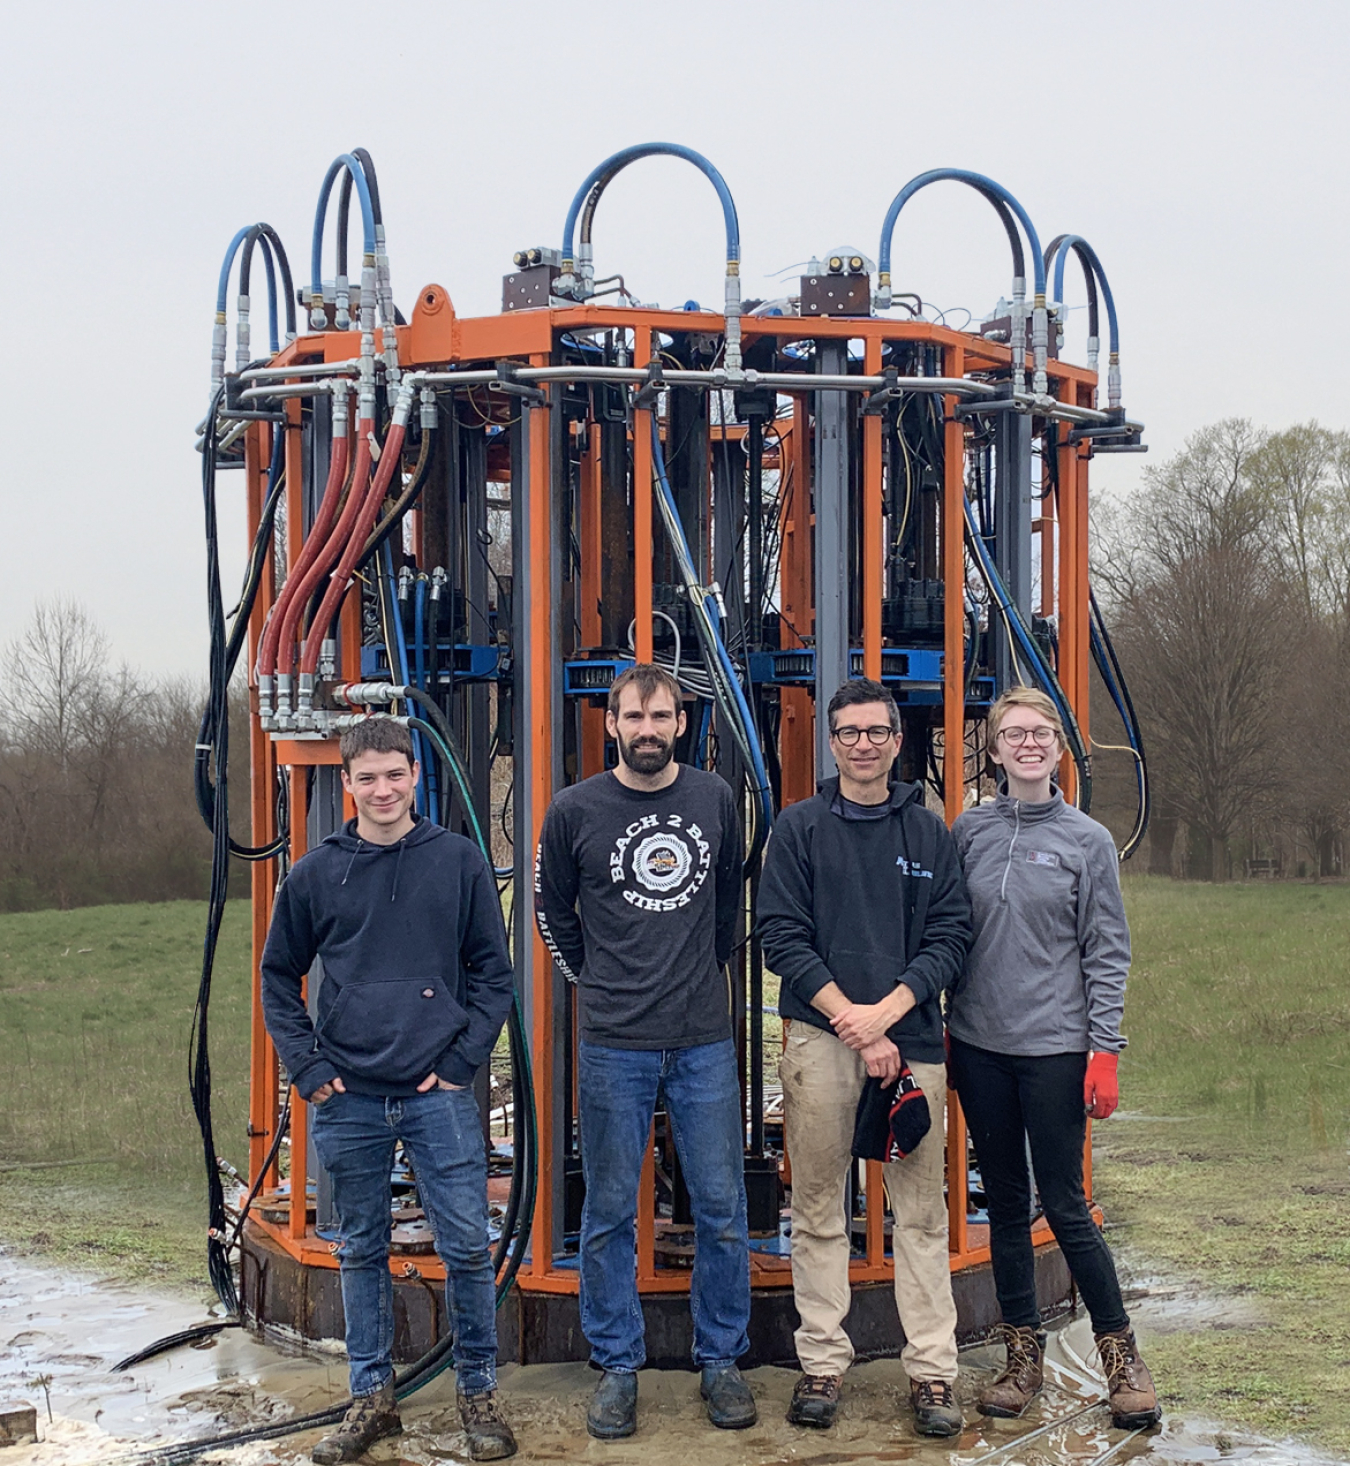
[933, 1392]
[1020, 1344]
[817, 1386]
[1117, 1354]
[480, 1410]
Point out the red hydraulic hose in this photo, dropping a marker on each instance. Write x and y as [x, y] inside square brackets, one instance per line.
[356, 536]
[276, 633]
[327, 551]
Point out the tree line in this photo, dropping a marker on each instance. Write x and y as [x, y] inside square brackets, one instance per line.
[1226, 578]
[96, 795]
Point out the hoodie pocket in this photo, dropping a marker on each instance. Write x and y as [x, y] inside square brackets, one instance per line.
[391, 1032]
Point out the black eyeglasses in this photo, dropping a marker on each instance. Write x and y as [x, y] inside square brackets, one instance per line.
[849, 735]
[1042, 737]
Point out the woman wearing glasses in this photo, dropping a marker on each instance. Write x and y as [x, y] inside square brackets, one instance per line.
[1034, 1023]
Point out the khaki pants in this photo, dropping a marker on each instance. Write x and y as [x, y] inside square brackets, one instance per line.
[822, 1080]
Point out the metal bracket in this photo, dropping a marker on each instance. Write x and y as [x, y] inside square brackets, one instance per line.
[508, 382]
[880, 398]
[963, 411]
[644, 399]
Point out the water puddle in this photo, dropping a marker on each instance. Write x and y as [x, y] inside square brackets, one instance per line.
[70, 1328]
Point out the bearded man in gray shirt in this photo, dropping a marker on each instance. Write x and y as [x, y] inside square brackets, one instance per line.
[638, 890]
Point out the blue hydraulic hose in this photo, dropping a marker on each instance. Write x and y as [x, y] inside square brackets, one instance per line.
[621, 160]
[986, 186]
[257, 234]
[358, 177]
[1035, 659]
[1088, 256]
[763, 792]
[227, 264]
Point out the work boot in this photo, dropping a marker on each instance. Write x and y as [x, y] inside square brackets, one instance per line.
[1129, 1385]
[490, 1437]
[815, 1401]
[935, 1411]
[1022, 1377]
[613, 1409]
[731, 1406]
[370, 1418]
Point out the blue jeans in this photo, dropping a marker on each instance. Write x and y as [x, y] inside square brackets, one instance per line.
[618, 1091]
[442, 1135]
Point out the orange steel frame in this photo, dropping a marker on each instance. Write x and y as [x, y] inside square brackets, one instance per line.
[435, 337]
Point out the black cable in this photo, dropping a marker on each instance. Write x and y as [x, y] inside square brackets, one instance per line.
[199, 1056]
[1108, 665]
[209, 745]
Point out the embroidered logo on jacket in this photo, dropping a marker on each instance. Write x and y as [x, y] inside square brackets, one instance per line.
[1042, 857]
[667, 857]
[913, 868]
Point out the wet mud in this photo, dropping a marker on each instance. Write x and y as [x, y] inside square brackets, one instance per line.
[69, 1329]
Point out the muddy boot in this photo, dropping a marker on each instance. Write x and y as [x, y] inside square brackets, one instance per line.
[369, 1419]
[613, 1409]
[1133, 1400]
[490, 1438]
[1022, 1376]
[815, 1401]
[935, 1409]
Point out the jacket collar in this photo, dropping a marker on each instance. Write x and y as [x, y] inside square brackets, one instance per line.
[901, 795]
[1018, 810]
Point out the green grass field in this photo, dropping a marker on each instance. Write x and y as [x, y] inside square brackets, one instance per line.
[100, 1158]
[1229, 1173]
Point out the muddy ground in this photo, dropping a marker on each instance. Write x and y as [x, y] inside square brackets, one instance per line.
[70, 1328]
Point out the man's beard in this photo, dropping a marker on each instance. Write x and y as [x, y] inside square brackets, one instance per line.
[648, 759]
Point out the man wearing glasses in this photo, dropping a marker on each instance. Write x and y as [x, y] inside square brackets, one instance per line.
[865, 919]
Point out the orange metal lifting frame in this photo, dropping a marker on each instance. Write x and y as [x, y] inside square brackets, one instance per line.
[436, 338]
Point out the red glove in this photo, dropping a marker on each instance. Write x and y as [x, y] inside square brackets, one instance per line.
[1101, 1088]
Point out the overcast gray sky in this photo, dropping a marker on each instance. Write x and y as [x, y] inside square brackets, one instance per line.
[1201, 148]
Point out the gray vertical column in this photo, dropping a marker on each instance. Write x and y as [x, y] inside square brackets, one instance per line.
[324, 816]
[831, 544]
[1012, 529]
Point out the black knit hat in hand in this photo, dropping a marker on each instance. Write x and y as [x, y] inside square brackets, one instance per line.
[892, 1118]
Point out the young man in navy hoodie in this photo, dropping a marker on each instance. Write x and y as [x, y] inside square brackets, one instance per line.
[864, 917]
[416, 984]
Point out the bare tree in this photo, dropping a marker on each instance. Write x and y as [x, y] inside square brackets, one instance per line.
[1206, 620]
[54, 674]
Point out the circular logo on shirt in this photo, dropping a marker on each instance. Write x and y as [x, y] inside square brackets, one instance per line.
[666, 857]
[661, 862]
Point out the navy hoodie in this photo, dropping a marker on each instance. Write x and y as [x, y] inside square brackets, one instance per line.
[866, 904]
[417, 977]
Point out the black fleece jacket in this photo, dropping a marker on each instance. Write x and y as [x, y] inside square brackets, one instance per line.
[866, 904]
[417, 977]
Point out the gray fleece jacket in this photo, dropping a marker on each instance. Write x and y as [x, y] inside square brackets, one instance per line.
[1046, 973]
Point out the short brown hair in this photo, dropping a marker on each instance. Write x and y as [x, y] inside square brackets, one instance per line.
[377, 733]
[649, 679]
[1025, 697]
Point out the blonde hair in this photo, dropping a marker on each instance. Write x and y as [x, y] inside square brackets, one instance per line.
[1024, 697]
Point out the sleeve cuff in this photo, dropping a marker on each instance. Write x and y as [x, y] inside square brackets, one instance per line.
[807, 984]
[455, 1070]
[313, 1076]
[919, 984]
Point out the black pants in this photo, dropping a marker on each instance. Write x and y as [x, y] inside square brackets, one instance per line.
[1009, 1100]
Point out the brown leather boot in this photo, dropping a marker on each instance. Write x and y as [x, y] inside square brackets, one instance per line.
[370, 1418]
[1133, 1400]
[1022, 1376]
